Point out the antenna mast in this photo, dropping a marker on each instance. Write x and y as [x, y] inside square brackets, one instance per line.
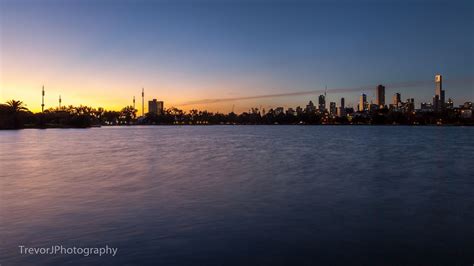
[143, 101]
[42, 100]
[59, 102]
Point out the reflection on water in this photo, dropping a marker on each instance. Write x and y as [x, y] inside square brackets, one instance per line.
[221, 195]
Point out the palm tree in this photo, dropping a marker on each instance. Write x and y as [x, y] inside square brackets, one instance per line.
[16, 110]
[16, 106]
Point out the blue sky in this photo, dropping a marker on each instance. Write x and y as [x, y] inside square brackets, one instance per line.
[189, 50]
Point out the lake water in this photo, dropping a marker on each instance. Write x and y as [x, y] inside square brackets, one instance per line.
[240, 195]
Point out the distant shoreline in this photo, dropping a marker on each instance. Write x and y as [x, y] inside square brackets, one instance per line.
[203, 125]
[14, 115]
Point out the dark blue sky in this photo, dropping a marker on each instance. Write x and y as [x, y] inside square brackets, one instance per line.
[187, 50]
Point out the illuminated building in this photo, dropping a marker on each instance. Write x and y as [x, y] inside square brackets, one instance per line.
[450, 104]
[426, 107]
[363, 104]
[396, 99]
[466, 110]
[438, 99]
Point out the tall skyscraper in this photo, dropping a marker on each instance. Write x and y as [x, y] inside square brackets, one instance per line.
[341, 111]
[363, 103]
[380, 96]
[332, 108]
[438, 100]
[322, 103]
[396, 99]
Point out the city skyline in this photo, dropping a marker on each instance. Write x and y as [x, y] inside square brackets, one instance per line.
[378, 98]
[101, 55]
[439, 112]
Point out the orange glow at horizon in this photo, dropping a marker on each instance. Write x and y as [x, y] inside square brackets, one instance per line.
[112, 99]
[22, 79]
[110, 85]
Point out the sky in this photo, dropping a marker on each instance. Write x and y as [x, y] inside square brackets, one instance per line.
[102, 53]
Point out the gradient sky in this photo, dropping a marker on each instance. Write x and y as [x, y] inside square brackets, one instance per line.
[101, 53]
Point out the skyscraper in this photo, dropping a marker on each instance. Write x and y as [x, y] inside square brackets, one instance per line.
[363, 102]
[332, 108]
[341, 111]
[439, 93]
[396, 99]
[380, 96]
[322, 103]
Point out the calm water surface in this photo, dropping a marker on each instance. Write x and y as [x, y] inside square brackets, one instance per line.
[240, 195]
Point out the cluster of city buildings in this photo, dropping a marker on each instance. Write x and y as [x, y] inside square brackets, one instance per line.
[397, 105]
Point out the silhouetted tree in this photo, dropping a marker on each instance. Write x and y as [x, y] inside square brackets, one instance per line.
[13, 115]
[16, 106]
[127, 114]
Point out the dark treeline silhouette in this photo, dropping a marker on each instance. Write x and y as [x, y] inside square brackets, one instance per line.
[14, 115]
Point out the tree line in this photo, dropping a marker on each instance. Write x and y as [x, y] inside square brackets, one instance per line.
[14, 115]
